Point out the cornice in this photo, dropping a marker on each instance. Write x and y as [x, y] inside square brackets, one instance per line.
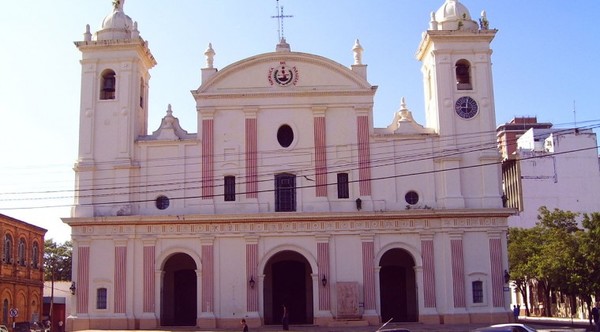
[139, 45]
[411, 221]
[296, 92]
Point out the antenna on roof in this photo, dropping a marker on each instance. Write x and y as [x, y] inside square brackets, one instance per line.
[280, 18]
[574, 115]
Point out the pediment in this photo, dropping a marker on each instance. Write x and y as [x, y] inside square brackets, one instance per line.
[284, 72]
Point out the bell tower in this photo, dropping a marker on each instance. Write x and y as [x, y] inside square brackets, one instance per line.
[459, 103]
[115, 68]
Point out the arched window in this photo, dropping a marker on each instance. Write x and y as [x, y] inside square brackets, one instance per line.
[101, 298]
[7, 249]
[22, 252]
[229, 188]
[463, 75]
[477, 287]
[141, 92]
[108, 85]
[35, 251]
[5, 310]
[285, 192]
[343, 185]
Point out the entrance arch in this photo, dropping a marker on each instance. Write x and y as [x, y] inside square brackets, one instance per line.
[288, 282]
[398, 287]
[179, 291]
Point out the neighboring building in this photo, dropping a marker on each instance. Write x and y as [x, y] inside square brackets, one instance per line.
[550, 167]
[57, 298]
[21, 270]
[508, 133]
[287, 195]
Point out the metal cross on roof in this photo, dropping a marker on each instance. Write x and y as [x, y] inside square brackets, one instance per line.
[280, 18]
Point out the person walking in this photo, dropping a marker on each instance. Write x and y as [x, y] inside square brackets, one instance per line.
[596, 317]
[244, 325]
[285, 320]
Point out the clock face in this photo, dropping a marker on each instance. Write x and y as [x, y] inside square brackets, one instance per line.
[466, 107]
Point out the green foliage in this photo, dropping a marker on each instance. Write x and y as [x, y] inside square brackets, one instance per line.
[557, 255]
[590, 250]
[57, 259]
[557, 219]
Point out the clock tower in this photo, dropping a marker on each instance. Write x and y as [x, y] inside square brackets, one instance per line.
[459, 103]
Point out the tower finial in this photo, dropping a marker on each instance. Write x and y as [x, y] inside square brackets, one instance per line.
[210, 56]
[358, 50]
[118, 4]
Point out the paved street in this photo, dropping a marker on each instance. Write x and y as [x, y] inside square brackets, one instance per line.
[542, 324]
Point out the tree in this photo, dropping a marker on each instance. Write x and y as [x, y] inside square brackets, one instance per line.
[522, 247]
[57, 259]
[557, 255]
[590, 250]
[556, 261]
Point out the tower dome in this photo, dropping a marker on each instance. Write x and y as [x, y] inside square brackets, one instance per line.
[116, 25]
[453, 15]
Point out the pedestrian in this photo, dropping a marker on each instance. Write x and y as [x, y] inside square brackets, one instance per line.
[244, 325]
[285, 320]
[596, 317]
[516, 312]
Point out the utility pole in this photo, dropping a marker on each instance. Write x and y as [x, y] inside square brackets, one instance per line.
[52, 264]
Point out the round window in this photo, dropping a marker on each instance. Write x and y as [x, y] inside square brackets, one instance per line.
[285, 136]
[411, 197]
[162, 202]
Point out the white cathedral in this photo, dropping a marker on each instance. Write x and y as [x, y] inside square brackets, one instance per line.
[287, 195]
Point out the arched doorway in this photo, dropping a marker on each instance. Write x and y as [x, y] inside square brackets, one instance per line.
[288, 282]
[398, 288]
[179, 291]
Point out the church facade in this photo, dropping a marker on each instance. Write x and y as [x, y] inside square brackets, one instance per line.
[288, 195]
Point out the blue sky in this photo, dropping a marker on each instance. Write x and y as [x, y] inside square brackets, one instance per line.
[545, 61]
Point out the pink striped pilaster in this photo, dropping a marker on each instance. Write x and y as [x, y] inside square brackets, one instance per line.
[320, 157]
[252, 272]
[458, 273]
[149, 258]
[251, 159]
[207, 278]
[323, 264]
[207, 158]
[428, 273]
[497, 273]
[83, 279]
[368, 261]
[120, 279]
[364, 155]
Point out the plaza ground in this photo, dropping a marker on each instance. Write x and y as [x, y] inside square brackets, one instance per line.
[541, 323]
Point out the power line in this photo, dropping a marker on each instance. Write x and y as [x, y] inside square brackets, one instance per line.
[349, 167]
[312, 185]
